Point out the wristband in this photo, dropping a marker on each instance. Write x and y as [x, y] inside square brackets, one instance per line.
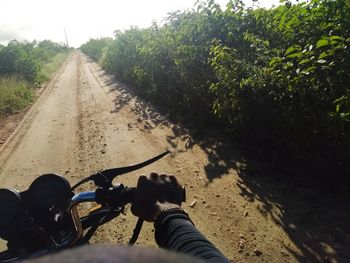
[161, 215]
[161, 219]
[169, 211]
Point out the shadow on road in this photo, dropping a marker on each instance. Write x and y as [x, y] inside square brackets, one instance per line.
[316, 219]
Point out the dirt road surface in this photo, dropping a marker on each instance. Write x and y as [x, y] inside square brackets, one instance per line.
[85, 121]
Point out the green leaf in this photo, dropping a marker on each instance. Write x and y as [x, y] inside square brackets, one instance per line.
[323, 55]
[337, 38]
[306, 60]
[309, 70]
[295, 55]
[274, 60]
[341, 99]
[337, 108]
[293, 49]
[322, 42]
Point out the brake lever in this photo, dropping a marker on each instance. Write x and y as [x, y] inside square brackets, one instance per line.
[104, 178]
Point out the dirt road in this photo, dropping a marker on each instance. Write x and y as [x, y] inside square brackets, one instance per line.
[85, 121]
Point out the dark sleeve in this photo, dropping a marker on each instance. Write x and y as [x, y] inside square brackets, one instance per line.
[176, 232]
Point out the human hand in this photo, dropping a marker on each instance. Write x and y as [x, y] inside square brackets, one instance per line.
[155, 193]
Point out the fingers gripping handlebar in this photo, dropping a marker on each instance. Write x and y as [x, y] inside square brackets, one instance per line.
[121, 195]
[128, 196]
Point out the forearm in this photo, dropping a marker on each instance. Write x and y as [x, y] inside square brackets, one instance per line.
[176, 232]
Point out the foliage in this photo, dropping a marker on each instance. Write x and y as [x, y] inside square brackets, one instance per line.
[24, 65]
[25, 59]
[95, 47]
[46, 49]
[17, 59]
[15, 94]
[276, 79]
[286, 91]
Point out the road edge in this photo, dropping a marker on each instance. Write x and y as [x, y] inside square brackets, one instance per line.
[3, 155]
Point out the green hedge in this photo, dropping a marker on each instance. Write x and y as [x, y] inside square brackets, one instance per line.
[25, 59]
[276, 79]
[23, 65]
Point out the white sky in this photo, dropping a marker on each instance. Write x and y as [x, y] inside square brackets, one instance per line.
[84, 19]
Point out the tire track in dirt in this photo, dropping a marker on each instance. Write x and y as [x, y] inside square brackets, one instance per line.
[90, 131]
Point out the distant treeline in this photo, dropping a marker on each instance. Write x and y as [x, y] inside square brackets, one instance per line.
[24, 65]
[278, 80]
[25, 59]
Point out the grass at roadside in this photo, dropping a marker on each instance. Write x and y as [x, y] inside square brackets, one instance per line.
[53, 65]
[16, 93]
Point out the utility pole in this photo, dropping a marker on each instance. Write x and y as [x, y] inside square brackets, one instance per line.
[65, 34]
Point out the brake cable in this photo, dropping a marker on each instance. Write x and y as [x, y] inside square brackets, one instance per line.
[136, 232]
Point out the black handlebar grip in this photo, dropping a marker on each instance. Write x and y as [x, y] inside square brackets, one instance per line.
[129, 195]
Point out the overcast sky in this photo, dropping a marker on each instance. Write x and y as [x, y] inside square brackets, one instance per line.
[84, 19]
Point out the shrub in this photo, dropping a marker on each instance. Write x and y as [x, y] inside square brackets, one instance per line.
[276, 79]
